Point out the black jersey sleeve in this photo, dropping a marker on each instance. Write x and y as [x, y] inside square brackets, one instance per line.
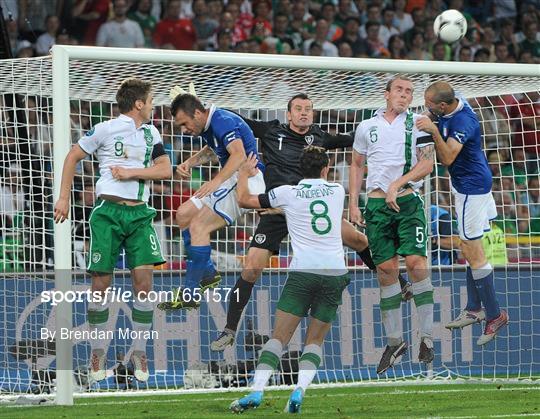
[264, 200]
[331, 142]
[158, 151]
[260, 128]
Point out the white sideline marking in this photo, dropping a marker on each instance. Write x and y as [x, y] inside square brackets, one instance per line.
[178, 399]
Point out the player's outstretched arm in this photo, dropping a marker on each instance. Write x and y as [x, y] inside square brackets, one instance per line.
[332, 142]
[248, 169]
[161, 169]
[356, 177]
[61, 209]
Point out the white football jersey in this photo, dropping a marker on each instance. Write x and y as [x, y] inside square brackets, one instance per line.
[313, 209]
[118, 143]
[390, 148]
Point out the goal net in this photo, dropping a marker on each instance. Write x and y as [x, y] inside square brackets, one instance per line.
[344, 92]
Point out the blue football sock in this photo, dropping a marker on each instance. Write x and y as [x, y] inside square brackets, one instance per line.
[210, 270]
[483, 280]
[200, 256]
[186, 237]
[473, 299]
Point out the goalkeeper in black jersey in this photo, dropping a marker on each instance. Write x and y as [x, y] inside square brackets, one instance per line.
[282, 145]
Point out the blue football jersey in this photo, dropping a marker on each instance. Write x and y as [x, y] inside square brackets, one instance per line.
[470, 172]
[223, 128]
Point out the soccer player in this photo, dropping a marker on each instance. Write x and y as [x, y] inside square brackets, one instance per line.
[317, 273]
[130, 152]
[281, 146]
[399, 157]
[214, 205]
[458, 144]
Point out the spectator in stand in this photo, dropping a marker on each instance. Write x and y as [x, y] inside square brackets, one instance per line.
[215, 9]
[526, 117]
[12, 201]
[301, 23]
[481, 55]
[434, 8]
[465, 54]
[439, 52]
[47, 39]
[373, 15]
[417, 50]
[224, 41]
[261, 15]
[345, 50]
[120, 31]
[503, 9]
[88, 15]
[328, 13]
[204, 27]
[501, 53]
[174, 33]
[387, 28]
[315, 49]
[375, 47]
[64, 38]
[281, 23]
[32, 15]
[243, 21]
[25, 49]
[227, 22]
[284, 7]
[396, 47]
[419, 20]
[507, 36]
[141, 14]
[351, 37]
[487, 41]
[345, 10]
[493, 124]
[402, 20]
[526, 57]
[321, 36]
[531, 43]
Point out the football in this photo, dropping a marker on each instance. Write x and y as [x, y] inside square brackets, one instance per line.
[450, 26]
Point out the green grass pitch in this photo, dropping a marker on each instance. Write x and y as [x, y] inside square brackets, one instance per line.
[452, 400]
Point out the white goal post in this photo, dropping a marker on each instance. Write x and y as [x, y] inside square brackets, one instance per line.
[343, 90]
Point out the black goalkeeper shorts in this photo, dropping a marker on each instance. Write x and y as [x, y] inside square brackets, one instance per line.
[271, 231]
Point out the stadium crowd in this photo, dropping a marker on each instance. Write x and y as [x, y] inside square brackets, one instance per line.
[499, 31]
[503, 31]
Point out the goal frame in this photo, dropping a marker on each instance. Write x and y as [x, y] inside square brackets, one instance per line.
[61, 55]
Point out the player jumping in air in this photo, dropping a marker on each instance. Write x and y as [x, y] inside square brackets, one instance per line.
[317, 273]
[281, 146]
[130, 153]
[458, 143]
[399, 157]
[214, 205]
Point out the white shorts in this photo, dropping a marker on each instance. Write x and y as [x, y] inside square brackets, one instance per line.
[224, 201]
[474, 212]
